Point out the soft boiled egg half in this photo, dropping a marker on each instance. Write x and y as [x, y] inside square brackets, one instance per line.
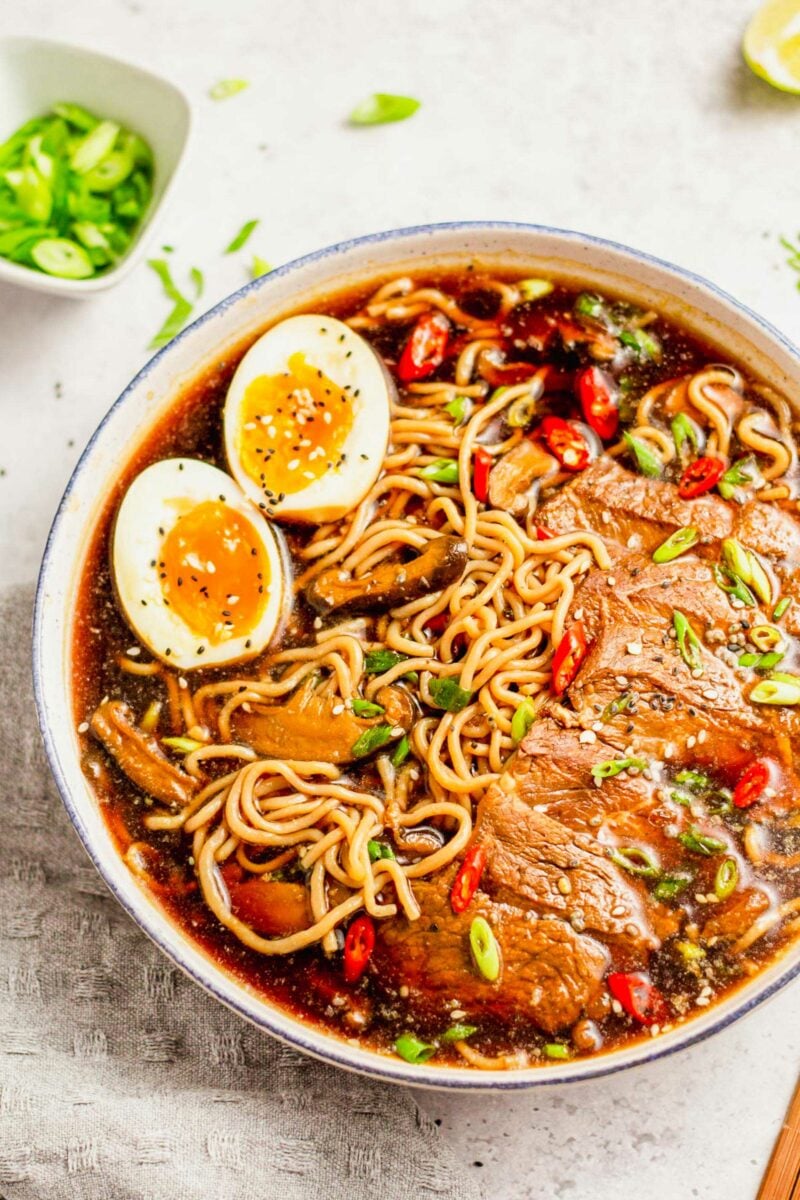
[198, 570]
[307, 419]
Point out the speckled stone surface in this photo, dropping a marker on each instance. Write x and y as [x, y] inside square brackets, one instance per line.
[633, 121]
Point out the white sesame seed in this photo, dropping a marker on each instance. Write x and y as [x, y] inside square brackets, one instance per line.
[83, 727]
[711, 693]
[337, 708]
[611, 581]
[691, 742]
[564, 886]
[634, 647]
[293, 465]
[588, 736]
[702, 736]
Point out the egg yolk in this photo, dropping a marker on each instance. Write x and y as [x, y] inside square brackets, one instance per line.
[214, 572]
[292, 428]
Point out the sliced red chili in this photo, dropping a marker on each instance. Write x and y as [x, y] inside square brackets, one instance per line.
[599, 399]
[700, 476]
[750, 788]
[425, 349]
[543, 534]
[567, 443]
[359, 943]
[640, 998]
[467, 879]
[480, 473]
[439, 623]
[503, 374]
[570, 653]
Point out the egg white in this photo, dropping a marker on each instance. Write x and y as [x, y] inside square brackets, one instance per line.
[158, 496]
[350, 362]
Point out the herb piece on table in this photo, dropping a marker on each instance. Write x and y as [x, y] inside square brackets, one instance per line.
[227, 87]
[182, 308]
[242, 236]
[383, 107]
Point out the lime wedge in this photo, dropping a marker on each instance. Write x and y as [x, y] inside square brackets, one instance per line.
[771, 44]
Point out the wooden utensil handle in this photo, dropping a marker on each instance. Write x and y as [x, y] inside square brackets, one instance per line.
[782, 1177]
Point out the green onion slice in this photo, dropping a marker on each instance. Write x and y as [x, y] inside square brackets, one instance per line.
[242, 236]
[615, 707]
[761, 662]
[648, 463]
[615, 766]
[780, 608]
[151, 715]
[383, 107]
[701, 843]
[556, 1050]
[259, 267]
[739, 474]
[780, 688]
[671, 886]
[446, 693]
[442, 470]
[636, 860]
[485, 950]
[371, 739]
[63, 258]
[226, 88]
[459, 409]
[588, 304]
[94, 147]
[689, 643]
[675, 545]
[378, 850]
[459, 1033]
[376, 662]
[690, 951]
[685, 430]
[402, 751]
[182, 308]
[412, 1049]
[366, 708]
[733, 585]
[521, 411]
[726, 878]
[698, 781]
[523, 718]
[644, 344]
[184, 745]
[534, 289]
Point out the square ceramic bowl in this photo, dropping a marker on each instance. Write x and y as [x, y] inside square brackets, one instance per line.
[35, 74]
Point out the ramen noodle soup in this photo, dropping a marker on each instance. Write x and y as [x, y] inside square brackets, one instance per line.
[435, 667]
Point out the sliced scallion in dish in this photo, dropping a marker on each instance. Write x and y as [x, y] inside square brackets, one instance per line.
[383, 107]
[646, 460]
[73, 191]
[676, 544]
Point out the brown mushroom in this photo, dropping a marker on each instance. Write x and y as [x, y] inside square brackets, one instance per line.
[269, 906]
[441, 563]
[140, 756]
[314, 724]
[513, 476]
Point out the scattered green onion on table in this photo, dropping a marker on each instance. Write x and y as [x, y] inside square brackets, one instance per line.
[74, 189]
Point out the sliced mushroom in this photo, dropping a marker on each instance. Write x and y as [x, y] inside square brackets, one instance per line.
[315, 725]
[513, 476]
[269, 906]
[140, 756]
[392, 583]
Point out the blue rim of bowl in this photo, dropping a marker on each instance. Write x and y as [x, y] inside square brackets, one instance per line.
[326, 1046]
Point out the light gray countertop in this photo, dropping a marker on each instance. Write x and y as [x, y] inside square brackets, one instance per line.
[637, 122]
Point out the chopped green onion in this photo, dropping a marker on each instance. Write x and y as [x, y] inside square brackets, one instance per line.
[781, 607]
[759, 579]
[615, 766]
[684, 430]
[588, 304]
[698, 781]
[402, 751]
[521, 411]
[366, 708]
[459, 1033]
[383, 107]
[259, 267]
[648, 463]
[766, 637]
[726, 878]
[110, 173]
[615, 707]
[523, 718]
[681, 797]
[182, 308]
[779, 689]
[226, 88]
[379, 850]
[485, 949]
[636, 860]
[371, 739]
[739, 474]
[184, 745]
[196, 276]
[94, 147]
[701, 843]
[63, 258]
[733, 586]
[676, 544]
[442, 470]
[242, 236]
[642, 343]
[737, 559]
[689, 643]
[80, 117]
[556, 1050]
[534, 289]
[720, 802]
[459, 409]
[376, 662]
[412, 1049]
[446, 694]
[151, 715]
[690, 951]
[761, 662]
[671, 886]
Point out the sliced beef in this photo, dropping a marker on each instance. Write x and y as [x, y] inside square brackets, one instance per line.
[140, 756]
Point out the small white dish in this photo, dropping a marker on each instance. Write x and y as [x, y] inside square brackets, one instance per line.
[35, 74]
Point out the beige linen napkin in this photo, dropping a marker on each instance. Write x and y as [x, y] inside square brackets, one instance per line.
[120, 1079]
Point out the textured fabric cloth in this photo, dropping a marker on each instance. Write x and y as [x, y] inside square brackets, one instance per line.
[120, 1079]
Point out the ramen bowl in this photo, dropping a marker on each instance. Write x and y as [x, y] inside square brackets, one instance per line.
[570, 257]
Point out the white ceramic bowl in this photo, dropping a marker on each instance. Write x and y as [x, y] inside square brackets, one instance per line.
[35, 74]
[602, 265]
